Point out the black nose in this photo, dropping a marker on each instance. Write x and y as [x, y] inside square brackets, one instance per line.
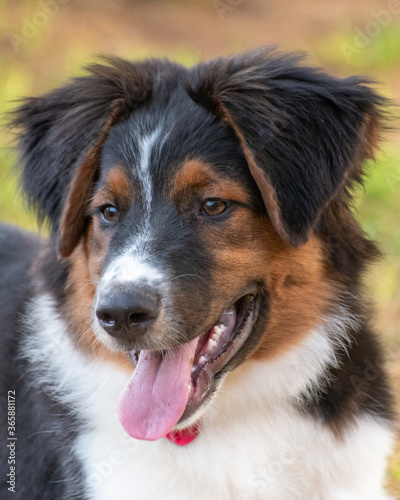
[126, 312]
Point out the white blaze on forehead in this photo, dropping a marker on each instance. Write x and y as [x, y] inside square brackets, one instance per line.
[146, 146]
[134, 264]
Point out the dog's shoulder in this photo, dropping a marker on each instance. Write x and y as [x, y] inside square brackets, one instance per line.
[18, 250]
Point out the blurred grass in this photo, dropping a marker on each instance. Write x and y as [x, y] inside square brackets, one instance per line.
[29, 72]
[377, 208]
[362, 51]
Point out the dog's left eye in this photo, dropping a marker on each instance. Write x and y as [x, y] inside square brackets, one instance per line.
[109, 213]
[212, 207]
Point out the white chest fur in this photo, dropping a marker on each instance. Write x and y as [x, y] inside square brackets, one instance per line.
[253, 443]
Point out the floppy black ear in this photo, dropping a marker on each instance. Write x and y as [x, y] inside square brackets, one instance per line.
[61, 137]
[304, 133]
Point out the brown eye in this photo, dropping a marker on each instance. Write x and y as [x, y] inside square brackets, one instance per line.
[214, 207]
[109, 213]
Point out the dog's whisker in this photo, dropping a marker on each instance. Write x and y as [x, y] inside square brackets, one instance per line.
[187, 276]
[77, 282]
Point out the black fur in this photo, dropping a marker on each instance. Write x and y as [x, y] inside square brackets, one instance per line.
[45, 430]
[358, 385]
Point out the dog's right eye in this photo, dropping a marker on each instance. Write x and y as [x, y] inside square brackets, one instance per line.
[109, 213]
[214, 206]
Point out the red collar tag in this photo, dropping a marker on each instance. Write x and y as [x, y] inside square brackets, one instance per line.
[183, 437]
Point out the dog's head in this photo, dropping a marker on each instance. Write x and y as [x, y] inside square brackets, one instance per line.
[203, 213]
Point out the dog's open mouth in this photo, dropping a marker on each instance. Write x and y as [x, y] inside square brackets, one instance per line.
[168, 387]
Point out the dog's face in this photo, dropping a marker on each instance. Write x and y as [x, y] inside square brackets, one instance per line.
[201, 221]
[170, 231]
[178, 244]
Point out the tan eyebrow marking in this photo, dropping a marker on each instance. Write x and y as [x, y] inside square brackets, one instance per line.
[118, 183]
[198, 175]
[118, 186]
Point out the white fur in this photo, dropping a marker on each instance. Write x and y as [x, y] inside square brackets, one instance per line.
[133, 264]
[145, 147]
[253, 443]
[130, 268]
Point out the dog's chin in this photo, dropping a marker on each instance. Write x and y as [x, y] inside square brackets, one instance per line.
[218, 351]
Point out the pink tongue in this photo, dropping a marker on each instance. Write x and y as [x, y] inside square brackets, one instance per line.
[156, 395]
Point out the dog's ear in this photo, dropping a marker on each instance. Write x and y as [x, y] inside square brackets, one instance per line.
[62, 134]
[304, 134]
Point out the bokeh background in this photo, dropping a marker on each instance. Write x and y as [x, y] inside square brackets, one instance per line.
[42, 42]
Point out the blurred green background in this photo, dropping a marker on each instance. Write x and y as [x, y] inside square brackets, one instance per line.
[43, 42]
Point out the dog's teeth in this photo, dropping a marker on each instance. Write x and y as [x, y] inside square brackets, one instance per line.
[202, 360]
[217, 331]
[211, 345]
[216, 335]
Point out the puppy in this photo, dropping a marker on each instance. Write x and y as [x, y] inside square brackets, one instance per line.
[194, 327]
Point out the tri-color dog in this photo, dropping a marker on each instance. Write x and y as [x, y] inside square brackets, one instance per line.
[200, 287]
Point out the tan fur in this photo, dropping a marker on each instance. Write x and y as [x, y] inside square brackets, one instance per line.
[298, 283]
[118, 183]
[199, 176]
[300, 293]
[249, 248]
